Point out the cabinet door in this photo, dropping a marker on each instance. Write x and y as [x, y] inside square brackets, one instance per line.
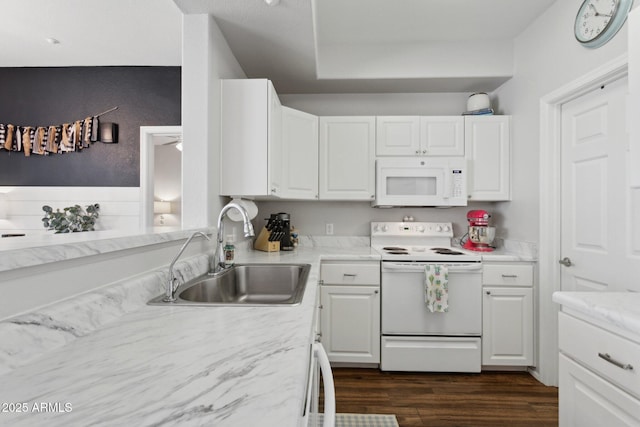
[350, 321]
[299, 155]
[442, 135]
[397, 136]
[274, 144]
[587, 400]
[250, 151]
[507, 326]
[347, 158]
[487, 149]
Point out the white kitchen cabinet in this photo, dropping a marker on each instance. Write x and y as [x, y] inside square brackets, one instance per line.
[588, 400]
[442, 135]
[507, 315]
[398, 136]
[419, 136]
[598, 381]
[488, 153]
[299, 155]
[347, 158]
[251, 138]
[350, 315]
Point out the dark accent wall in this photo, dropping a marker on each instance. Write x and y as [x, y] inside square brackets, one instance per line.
[145, 96]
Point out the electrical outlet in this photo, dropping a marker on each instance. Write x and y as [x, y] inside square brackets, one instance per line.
[329, 229]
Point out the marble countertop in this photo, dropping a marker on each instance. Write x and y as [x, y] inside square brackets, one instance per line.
[28, 251]
[222, 366]
[618, 309]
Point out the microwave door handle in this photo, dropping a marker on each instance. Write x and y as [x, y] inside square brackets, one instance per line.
[447, 186]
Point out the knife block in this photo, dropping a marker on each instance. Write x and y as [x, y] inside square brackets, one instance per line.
[263, 244]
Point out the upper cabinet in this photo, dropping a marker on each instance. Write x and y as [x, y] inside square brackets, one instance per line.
[299, 155]
[267, 150]
[347, 158]
[251, 139]
[487, 150]
[419, 136]
[271, 151]
[398, 136]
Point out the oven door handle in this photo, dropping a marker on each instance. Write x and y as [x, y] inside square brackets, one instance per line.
[476, 266]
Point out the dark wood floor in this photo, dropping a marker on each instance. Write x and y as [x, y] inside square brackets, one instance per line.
[489, 399]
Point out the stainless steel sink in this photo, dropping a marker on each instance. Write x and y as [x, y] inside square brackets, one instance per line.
[245, 285]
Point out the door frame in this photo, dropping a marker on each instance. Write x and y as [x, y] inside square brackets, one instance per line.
[147, 153]
[550, 207]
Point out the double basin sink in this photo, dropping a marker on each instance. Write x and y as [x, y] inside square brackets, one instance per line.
[245, 285]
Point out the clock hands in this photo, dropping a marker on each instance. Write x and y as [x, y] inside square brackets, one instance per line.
[596, 13]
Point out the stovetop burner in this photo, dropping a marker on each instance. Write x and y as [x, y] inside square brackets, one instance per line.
[417, 242]
[446, 251]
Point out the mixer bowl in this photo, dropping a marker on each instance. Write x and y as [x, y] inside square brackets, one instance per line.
[482, 235]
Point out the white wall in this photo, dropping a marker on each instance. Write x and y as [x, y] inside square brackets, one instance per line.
[206, 58]
[119, 206]
[547, 57]
[372, 104]
[353, 218]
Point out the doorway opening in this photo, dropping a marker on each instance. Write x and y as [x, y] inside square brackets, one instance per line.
[160, 176]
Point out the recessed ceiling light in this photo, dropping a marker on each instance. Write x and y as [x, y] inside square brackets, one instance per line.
[51, 40]
[272, 2]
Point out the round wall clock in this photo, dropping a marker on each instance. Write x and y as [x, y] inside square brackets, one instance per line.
[598, 21]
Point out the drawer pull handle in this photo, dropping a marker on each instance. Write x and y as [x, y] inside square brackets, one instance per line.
[608, 358]
[510, 276]
[350, 275]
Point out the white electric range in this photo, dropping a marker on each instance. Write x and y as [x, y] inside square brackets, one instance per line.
[412, 337]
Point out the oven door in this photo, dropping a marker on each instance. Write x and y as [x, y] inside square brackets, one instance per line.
[404, 311]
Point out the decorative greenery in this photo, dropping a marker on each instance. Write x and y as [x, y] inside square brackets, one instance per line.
[71, 219]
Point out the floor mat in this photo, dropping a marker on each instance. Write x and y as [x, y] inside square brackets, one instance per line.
[364, 420]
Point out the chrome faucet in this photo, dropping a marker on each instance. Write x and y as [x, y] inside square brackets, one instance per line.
[218, 258]
[170, 293]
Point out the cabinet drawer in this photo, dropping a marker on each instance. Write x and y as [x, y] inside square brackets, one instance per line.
[350, 274]
[585, 343]
[507, 275]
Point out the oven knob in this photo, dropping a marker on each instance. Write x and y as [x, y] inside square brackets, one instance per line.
[376, 227]
[447, 228]
[439, 228]
[421, 228]
[385, 227]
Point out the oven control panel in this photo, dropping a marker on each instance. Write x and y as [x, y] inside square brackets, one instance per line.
[436, 229]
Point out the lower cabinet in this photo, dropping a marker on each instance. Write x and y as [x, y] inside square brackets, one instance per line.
[507, 314]
[507, 326]
[350, 312]
[597, 372]
[588, 400]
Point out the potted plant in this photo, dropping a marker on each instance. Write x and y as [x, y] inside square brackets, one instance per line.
[71, 219]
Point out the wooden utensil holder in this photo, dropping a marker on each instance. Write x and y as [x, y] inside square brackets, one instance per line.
[263, 244]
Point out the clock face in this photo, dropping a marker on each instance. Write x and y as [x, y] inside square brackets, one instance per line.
[594, 17]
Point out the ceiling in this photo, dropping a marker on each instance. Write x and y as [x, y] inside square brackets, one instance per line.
[304, 46]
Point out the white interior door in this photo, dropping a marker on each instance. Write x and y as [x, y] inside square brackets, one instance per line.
[596, 197]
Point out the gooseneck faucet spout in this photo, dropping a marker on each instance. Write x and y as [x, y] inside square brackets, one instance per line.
[218, 258]
[170, 293]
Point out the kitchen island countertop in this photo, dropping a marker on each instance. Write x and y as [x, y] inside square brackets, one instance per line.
[222, 366]
[617, 309]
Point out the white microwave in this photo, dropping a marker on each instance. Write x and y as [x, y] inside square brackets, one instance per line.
[421, 181]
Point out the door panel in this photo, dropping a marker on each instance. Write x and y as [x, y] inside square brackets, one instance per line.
[599, 214]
